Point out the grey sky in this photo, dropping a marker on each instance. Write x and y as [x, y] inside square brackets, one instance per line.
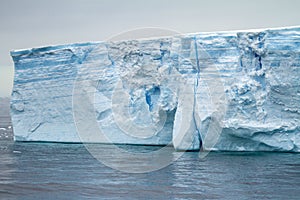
[31, 23]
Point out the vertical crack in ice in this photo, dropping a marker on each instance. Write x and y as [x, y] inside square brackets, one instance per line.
[195, 92]
[197, 56]
[259, 64]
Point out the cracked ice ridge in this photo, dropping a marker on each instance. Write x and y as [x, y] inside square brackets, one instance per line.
[169, 89]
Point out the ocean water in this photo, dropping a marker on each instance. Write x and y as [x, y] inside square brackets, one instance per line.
[69, 171]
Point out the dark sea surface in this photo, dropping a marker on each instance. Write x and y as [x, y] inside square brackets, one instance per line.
[69, 171]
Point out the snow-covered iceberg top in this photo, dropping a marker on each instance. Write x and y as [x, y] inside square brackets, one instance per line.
[236, 91]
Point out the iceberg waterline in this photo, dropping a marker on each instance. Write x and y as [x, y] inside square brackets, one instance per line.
[235, 91]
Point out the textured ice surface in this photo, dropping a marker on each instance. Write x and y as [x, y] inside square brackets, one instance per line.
[236, 91]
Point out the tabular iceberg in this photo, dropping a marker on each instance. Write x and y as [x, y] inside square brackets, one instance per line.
[235, 91]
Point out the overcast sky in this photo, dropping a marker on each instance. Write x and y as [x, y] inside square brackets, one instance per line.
[31, 23]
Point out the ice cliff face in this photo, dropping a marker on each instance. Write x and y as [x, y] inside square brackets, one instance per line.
[236, 91]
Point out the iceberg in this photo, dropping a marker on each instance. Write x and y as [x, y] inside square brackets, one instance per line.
[221, 91]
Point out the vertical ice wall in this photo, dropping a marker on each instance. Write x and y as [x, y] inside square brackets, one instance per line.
[220, 91]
